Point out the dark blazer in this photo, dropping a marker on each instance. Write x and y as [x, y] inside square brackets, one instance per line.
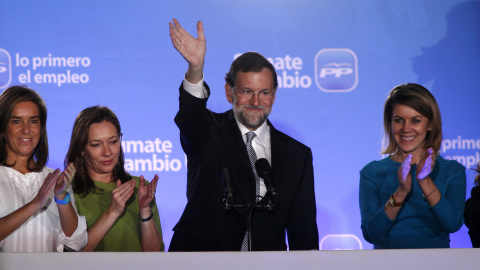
[212, 141]
[472, 216]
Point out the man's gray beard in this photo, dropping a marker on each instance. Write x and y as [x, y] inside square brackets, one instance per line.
[244, 120]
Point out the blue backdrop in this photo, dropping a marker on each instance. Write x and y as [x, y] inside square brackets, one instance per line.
[118, 54]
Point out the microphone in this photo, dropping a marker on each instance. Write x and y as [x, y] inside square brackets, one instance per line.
[265, 171]
[229, 199]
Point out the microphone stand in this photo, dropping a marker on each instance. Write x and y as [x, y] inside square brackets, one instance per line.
[228, 198]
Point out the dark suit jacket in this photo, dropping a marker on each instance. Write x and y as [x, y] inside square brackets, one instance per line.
[472, 216]
[212, 141]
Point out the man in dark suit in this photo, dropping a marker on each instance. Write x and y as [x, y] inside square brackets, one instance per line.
[221, 150]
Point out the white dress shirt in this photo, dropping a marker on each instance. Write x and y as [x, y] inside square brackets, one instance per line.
[261, 142]
[42, 232]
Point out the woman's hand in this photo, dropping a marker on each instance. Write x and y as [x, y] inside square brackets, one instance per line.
[12, 221]
[425, 165]
[120, 196]
[146, 193]
[404, 177]
[404, 187]
[68, 215]
[151, 238]
[64, 180]
[46, 189]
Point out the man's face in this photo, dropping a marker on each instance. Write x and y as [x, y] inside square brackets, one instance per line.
[252, 97]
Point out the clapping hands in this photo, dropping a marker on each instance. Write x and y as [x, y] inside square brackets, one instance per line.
[424, 168]
[425, 165]
[146, 193]
[64, 180]
[56, 181]
[46, 189]
[404, 177]
[120, 196]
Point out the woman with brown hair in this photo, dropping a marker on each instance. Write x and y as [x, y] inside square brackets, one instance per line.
[37, 213]
[116, 220]
[413, 198]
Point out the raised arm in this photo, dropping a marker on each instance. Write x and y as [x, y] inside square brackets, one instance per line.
[11, 222]
[191, 118]
[192, 49]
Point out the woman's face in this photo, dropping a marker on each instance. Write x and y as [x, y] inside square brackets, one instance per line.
[409, 129]
[102, 150]
[23, 131]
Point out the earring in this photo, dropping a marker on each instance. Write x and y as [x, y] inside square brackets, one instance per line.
[83, 164]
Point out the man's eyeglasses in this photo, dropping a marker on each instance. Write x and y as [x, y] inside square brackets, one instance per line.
[265, 95]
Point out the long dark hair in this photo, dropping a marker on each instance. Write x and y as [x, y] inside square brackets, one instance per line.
[8, 100]
[82, 183]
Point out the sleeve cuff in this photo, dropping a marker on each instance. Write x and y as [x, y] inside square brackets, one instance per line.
[78, 239]
[197, 90]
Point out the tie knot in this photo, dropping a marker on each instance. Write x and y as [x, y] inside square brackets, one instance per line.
[250, 136]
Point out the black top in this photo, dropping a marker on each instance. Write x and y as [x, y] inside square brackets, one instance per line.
[472, 216]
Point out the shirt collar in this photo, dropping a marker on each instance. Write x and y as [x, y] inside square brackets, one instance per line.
[261, 132]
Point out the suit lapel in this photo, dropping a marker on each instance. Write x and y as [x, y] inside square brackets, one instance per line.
[237, 159]
[235, 140]
[279, 155]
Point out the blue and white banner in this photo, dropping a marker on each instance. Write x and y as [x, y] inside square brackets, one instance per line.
[336, 63]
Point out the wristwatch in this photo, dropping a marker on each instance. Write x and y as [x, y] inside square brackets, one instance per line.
[65, 200]
[394, 202]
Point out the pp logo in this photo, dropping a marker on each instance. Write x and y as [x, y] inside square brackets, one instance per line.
[5, 68]
[340, 242]
[336, 70]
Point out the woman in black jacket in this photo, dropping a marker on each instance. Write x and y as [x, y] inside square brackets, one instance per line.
[472, 212]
